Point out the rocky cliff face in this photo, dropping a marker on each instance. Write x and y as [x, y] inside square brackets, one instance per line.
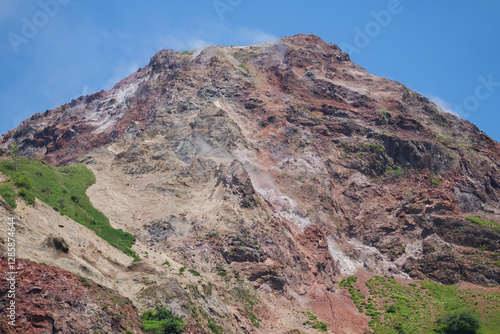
[274, 170]
[51, 300]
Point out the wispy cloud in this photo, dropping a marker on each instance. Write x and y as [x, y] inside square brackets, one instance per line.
[183, 42]
[444, 106]
[121, 71]
[254, 35]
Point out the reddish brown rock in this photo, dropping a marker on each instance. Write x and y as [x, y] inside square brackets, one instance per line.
[52, 300]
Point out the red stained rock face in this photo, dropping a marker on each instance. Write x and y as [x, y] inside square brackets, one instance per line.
[51, 300]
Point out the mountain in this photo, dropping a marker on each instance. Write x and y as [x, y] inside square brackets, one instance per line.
[256, 178]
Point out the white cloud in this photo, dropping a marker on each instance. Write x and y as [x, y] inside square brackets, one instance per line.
[182, 43]
[444, 106]
[120, 72]
[254, 35]
[85, 90]
[198, 40]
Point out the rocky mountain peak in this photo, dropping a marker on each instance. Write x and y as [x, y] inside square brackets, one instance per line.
[275, 170]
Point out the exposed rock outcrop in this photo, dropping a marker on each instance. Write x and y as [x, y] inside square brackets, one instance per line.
[272, 170]
[51, 300]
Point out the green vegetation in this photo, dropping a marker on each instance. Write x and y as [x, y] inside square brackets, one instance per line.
[166, 263]
[9, 195]
[435, 181]
[194, 272]
[373, 147]
[398, 171]
[253, 318]
[161, 321]
[246, 296]
[245, 68]
[459, 322]
[491, 224]
[356, 294]
[445, 141]
[319, 265]
[207, 289]
[424, 307]
[22, 181]
[313, 321]
[188, 52]
[244, 54]
[28, 196]
[63, 188]
[376, 155]
[221, 271]
[321, 326]
[214, 328]
[157, 85]
[385, 115]
[14, 153]
[84, 281]
[181, 270]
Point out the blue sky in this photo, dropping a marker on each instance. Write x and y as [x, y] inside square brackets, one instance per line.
[447, 50]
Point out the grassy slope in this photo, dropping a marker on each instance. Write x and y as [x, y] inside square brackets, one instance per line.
[414, 308]
[64, 189]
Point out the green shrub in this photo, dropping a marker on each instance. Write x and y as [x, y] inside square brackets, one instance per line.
[9, 195]
[75, 199]
[181, 270]
[435, 181]
[459, 322]
[188, 52]
[253, 319]
[490, 223]
[214, 328]
[23, 181]
[221, 271]
[28, 196]
[194, 272]
[84, 281]
[161, 321]
[321, 326]
[245, 68]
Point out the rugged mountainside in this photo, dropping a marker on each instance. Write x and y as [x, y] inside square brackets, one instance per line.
[273, 170]
[65, 303]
